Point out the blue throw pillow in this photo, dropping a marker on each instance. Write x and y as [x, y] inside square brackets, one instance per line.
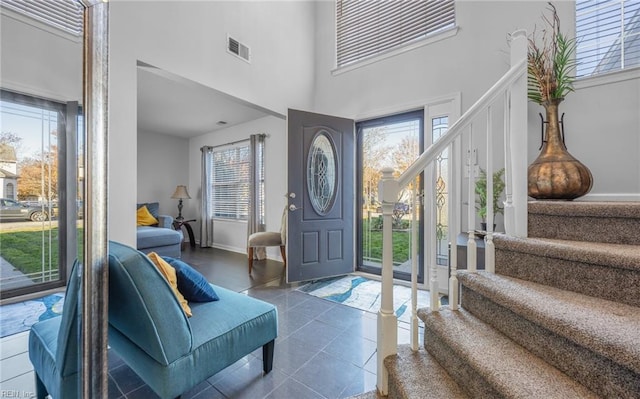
[191, 284]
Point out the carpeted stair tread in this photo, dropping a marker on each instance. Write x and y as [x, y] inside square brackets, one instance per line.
[611, 209]
[509, 369]
[418, 375]
[613, 222]
[613, 255]
[607, 328]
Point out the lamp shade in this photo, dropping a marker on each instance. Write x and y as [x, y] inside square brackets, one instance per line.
[181, 193]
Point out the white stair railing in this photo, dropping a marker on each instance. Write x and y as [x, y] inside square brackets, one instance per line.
[510, 94]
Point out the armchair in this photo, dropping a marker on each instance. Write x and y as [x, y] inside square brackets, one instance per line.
[162, 239]
[53, 348]
[270, 239]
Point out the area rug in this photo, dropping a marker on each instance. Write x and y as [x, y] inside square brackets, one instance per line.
[364, 294]
[19, 317]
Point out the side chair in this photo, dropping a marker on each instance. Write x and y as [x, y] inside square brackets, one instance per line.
[270, 239]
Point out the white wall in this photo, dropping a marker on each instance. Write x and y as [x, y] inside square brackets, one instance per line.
[163, 163]
[470, 62]
[188, 39]
[35, 61]
[602, 130]
[232, 235]
[293, 53]
[602, 122]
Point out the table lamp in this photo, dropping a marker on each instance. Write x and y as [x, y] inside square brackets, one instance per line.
[180, 194]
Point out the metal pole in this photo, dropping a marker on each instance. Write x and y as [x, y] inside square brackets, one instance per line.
[95, 277]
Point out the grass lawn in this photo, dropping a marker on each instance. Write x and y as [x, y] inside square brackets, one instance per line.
[372, 245]
[31, 252]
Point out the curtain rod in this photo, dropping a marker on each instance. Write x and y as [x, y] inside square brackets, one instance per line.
[231, 143]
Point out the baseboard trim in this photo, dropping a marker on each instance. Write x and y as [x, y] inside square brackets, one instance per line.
[230, 248]
[611, 197]
[243, 251]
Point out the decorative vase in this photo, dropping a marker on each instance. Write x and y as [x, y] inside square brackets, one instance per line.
[556, 174]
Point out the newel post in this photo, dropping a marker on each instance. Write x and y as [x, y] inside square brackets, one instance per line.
[518, 140]
[387, 343]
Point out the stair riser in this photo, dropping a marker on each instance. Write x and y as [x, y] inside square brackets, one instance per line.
[394, 390]
[417, 375]
[601, 375]
[579, 228]
[464, 375]
[619, 285]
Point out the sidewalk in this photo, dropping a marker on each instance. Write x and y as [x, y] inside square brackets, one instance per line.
[10, 277]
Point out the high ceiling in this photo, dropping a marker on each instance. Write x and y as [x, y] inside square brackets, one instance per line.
[172, 105]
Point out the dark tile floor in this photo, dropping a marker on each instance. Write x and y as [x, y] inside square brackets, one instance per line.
[323, 349]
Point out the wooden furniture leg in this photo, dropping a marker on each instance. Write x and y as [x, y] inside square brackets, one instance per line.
[284, 255]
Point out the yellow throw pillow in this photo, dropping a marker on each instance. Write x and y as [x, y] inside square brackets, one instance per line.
[145, 218]
[169, 274]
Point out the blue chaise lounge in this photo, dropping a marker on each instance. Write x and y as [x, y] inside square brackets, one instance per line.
[169, 351]
[148, 329]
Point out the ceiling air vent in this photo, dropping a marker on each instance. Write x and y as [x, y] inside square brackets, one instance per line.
[238, 49]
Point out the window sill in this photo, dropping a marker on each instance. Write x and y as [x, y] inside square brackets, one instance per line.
[216, 219]
[445, 34]
[608, 78]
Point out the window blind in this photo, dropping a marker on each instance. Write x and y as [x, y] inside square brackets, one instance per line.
[66, 15]
[367, 28]
[230, 183]
[608, 35]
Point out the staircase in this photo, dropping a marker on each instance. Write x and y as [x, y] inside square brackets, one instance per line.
[560, 318]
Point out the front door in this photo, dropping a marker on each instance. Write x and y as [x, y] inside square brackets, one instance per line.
[321, 196]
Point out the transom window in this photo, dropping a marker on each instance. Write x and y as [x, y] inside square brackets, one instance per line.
[368, 28]
[608, 35]
[66, 15]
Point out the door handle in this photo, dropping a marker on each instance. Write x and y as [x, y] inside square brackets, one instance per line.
[292, 208]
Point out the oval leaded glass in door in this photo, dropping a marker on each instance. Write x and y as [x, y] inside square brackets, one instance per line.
[321, 173]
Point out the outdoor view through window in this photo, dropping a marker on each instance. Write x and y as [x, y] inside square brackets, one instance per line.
[387, 143]
[30, 193]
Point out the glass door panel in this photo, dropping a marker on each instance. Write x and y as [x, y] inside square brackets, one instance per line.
[387, 142]
[33, 134]
[439, 126]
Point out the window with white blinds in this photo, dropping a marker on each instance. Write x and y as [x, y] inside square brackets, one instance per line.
[230, 182]
[66, 15]
[368, 28]
[608, 35]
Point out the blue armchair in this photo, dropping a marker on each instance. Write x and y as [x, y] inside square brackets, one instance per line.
[161, 239]
[53, 348]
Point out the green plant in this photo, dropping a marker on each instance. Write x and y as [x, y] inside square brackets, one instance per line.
[27, 251]
[550, 63]
[481, 193]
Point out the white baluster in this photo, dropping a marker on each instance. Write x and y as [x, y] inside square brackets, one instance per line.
[414, 268]
[509, 213]
[454, 221]
[387, 321]
[430, 256]
[471, 211]
[489, 261]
